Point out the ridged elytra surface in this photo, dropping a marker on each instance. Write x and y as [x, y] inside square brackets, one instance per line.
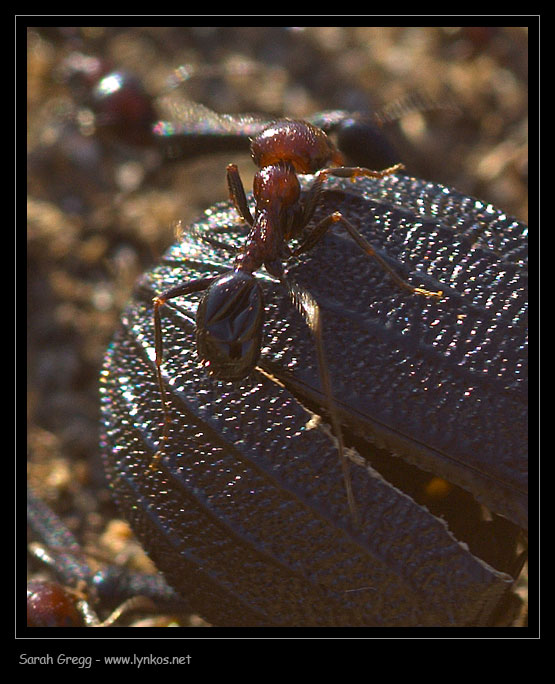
[444, 384]
[247, 514]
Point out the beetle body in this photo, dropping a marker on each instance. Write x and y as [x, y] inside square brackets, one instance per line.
[246, 512]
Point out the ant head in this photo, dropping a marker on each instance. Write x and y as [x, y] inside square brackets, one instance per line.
[230, 317]
[305, 146]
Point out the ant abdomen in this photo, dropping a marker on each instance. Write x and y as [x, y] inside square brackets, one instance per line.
[229, 325]
[305, 146]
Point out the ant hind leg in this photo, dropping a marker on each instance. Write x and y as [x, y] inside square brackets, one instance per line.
[307, 306]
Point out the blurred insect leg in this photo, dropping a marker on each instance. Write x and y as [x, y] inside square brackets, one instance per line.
[237, 194]
[308, 307]
[159, 301]
[319, 231]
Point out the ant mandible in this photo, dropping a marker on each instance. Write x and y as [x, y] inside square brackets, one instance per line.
[230, 316]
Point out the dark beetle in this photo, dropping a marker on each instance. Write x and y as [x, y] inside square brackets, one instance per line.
[246, 513]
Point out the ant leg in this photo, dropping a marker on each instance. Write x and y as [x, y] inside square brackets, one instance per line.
[311, 199]
[354, 172]
[308, 307]
[319, 231]
[237, 194]
[179, 291]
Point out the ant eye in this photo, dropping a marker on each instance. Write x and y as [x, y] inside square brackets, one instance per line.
[229, 325]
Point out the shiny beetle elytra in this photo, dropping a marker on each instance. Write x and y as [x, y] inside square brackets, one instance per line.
[245, 514]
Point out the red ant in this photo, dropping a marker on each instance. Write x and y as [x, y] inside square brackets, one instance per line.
[230, 316]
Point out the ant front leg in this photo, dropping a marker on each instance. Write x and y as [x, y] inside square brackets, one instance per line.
[319, 231]
[354, 172]
[159, 301]
[237, 194]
